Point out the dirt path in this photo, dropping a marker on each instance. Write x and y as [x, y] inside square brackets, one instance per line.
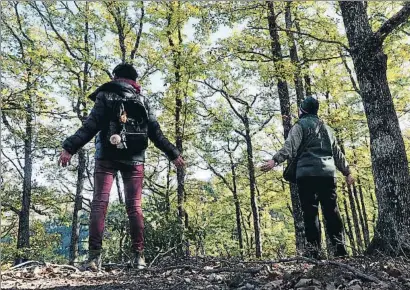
[219, 274]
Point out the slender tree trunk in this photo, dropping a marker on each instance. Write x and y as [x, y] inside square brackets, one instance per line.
[252, 188]
[389, 160]
[284, 100]
[359, 201]
[75, 228]
[352, 207]
[167, 192]
[82, 115]
[237, 206]
[120, 193]
[308, 85]
[23, 237]
[366, 223]
[306, 77]
[176, 56]
[349, 229]
[248, 243]
[123, 228]
[294, 56]
[355, 218]
[360, 213]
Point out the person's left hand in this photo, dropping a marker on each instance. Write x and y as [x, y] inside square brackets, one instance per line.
[350, 180]
[269, 165]
[65, 158]
[179, 162]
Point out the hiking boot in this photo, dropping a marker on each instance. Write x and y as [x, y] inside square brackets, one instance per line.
[139, 260]
[93, 262]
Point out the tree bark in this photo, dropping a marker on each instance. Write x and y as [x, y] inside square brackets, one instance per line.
[389, 160]
[349, 230]
[237, 205]
[167, 192]
[176, 57]
[252, 189]
[75, 224]
[82, 115]
[366, 223]
[294, 58]
[352, 206]
[284, 100]
[23, 237]
[355, 218]
[120, 193]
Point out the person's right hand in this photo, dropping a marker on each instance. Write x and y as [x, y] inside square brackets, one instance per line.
[65, 158]
[349, 180]
[179, 162]
[268, 165]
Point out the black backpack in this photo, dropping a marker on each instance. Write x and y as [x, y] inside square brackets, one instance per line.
[128, 127]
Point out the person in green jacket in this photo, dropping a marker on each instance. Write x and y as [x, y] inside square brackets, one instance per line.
[316, 176]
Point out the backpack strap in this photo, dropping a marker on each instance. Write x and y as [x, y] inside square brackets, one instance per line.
[306, 143]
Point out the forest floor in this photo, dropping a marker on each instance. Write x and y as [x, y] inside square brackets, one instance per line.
[212, 273]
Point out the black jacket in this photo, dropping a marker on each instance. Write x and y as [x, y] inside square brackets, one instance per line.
[98, 122]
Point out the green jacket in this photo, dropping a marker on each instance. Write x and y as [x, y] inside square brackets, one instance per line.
[321, 157]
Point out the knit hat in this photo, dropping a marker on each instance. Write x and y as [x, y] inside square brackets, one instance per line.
[310, 106]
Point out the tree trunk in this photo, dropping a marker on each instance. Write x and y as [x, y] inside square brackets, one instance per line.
[23, 237]
[247, 239]
[284, 100]
[167, 192]
[252, 189]
[75, 228]
[352, 206]
[294, 58]
[366, 223]
[359, 202]
[237, 206]
[360, 213]
[349, 230]
[389, 160]
[176, 56]
[82, 115]
[120, 194]
[355, 218]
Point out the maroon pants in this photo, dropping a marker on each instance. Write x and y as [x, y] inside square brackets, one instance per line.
[104, 175]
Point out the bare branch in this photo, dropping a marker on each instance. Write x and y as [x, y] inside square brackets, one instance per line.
[394, 22]
[356, 88]
[19, 23]
[304, 34]
[15, 36]
[11, 207]
[50, 22]
[139, 33]
[14, 164]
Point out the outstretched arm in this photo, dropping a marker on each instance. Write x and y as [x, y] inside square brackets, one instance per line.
[91, 126]
[340, 160]
[156, 135]
[289, 149]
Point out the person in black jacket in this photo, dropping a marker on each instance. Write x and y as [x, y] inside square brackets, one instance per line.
[110, 160]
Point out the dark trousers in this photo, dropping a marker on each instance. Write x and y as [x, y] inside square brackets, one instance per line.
[313, 190]
[104, 175]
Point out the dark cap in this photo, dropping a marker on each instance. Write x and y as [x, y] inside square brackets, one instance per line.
[310, 106]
